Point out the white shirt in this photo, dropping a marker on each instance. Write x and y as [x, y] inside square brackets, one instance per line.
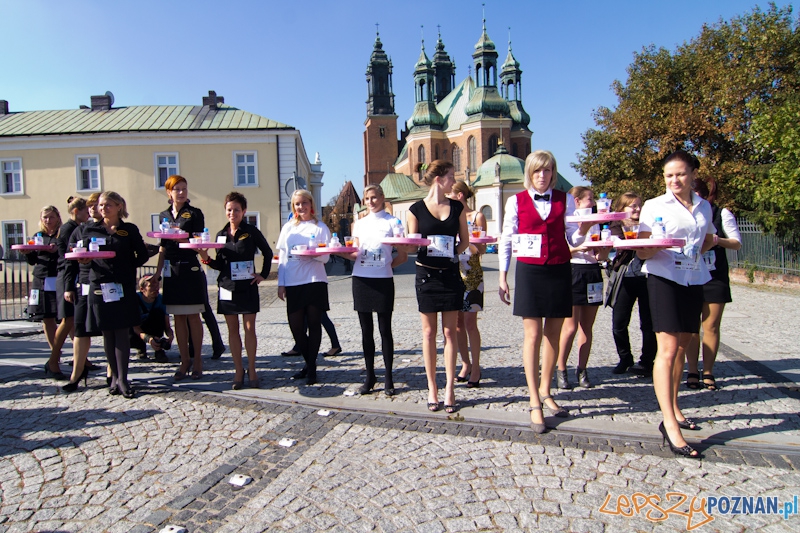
[729, 225]
[511, 223]
[686, 266]
[374, 259]
[299, 270]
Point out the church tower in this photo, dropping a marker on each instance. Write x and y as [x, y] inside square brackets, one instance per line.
[444, 71]
[380, 134]
[511, 90]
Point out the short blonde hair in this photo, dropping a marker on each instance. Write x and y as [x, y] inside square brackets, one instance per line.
[538, 160]
[308, 196]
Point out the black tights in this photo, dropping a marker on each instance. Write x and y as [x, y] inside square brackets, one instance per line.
[387, 345]
[307, 343]
[117, 345]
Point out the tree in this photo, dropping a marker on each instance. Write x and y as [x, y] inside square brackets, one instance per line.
[704, 97]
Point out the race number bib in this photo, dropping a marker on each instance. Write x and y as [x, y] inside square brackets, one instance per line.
[526, 245]
[710, 259]
[441, 246]
[112, 292]
[84, 289]
[225, 295]
[167, 270]
[241, 270]
[33, 299]
[684, 261]
[594, 292]
[372, 258]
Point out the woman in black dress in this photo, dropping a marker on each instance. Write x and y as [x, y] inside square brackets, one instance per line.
[238, 282]
[438, 281]
[42, 302]
[113, 305]
[184, 279]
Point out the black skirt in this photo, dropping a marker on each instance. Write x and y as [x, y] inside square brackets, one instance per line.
[81, 316]
[717, 291]
[373, 295]
[439, 290]
[675, 308]
[299, 297]
[47, 305]
[186, 284]
[582, 277]
[543, 291]
[65, 309]
[241, 302]
[104, 316]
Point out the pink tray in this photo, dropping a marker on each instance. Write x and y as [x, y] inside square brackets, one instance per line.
[201, 245]
[311, 253]
[406, 240]
[90, 255]
[648, 243]
[343, 249]
[482, 240]
[34, 247]
[598, 244]
[597, 217]
[176, 236]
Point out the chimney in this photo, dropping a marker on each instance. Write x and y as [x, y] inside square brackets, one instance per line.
[3, 107]
[101, 103]
[212, 100]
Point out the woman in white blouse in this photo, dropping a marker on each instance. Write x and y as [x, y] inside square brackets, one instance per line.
[675, 281]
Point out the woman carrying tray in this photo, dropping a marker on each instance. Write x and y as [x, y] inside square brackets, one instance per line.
[302, 281]
[675, 284]
[113, 306]
[42, 301]
[587, 295]
[238, 282]
[535, 221]
[632, 286]
[438, 282]
[373, 284]
[184, 280]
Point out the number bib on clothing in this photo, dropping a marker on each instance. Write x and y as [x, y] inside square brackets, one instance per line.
[441, 246]
[526, 245]
[112, 292]
[594, 292]
[710, 259]
[167, 270]
[34, 297]
[372, 258]
[242, 270]
[225, 295]
[684, 261]
[85, 289]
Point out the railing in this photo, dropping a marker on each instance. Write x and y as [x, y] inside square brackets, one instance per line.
[16, 278]
[765, 252]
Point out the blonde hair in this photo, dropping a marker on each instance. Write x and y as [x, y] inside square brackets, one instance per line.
[117, 199]
[536, 161]
[462, 188]
[75, 202]
[378, 190]
[307, 195]
[48, 209]
[578, 191]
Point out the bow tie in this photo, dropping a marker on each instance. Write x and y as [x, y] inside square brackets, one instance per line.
[545, 197]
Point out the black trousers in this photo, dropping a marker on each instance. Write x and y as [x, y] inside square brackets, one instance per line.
[152, 325]
[633, 288]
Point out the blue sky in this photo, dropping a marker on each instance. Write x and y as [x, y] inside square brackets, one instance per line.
[302, 62]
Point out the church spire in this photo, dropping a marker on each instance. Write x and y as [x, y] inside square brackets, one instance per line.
[425, 113]
[444, 71]
[511, 87]
[380, 98]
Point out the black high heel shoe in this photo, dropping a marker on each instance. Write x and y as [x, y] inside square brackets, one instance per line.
[58, 376]
[72, 387]
[684, 451]
[689, 424]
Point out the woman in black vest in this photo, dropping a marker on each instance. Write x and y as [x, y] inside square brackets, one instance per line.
[716, 293]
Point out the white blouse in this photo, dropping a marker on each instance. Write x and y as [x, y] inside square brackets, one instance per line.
[298, 270]
[374, 259]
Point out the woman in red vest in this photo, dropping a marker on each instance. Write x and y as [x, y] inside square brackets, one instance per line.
[534, 227]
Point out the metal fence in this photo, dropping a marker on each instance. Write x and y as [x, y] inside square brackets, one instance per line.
[16, 277]
[765, 252]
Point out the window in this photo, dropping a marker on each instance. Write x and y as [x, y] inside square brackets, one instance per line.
[492, 145]
[487, 212]
[166, 166]
[12, 176]
[421, 154]
[436, 152]
[514, 150]
[472, 146]
[155, 222]
[456, 158]
[382, 132]
[88, 167]
[254, 219]
[245, 165]
[13, 233]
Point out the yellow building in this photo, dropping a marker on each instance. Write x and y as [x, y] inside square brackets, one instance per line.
[47, 156]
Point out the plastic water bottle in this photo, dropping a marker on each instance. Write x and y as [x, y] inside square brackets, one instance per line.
[659, 229]
[605, 234]
[312, 242]
[93, 246]
[397, 228]
[79, 248]
[165, 225]
[206, 237]
[603, 203]
[335, 243]
[38, 240]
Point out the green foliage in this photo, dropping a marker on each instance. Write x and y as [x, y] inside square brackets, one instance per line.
[726, 96]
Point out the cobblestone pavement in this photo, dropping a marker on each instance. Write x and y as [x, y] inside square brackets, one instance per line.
[92, 462]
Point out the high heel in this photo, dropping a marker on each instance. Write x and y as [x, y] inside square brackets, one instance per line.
[366, 388]
[465, 378]
[689, 424]
[58, 376]
[72, 387]
[683, 451]
[535, 426]
[474, 384]
[560, 412]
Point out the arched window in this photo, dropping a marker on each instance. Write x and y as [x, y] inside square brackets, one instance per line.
[514, 150]
[492, 145]
[436, 152]
[487, 212]
[472, 147]
[421, 154]
[456, 157]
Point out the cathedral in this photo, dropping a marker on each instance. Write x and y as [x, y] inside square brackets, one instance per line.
[479, 125]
